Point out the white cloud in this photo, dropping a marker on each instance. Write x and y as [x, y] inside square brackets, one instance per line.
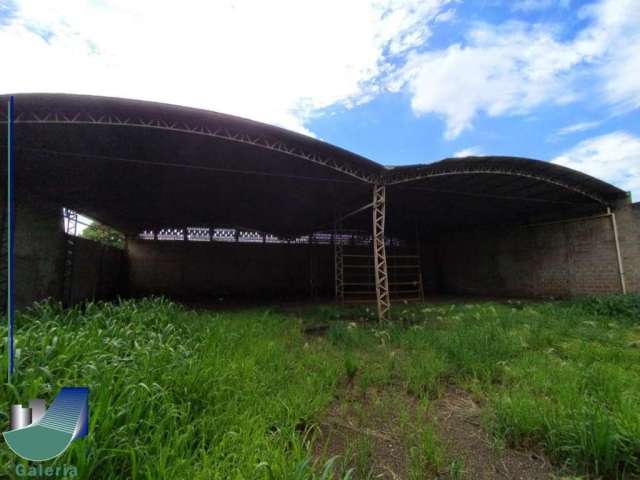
[468, 152]
[616, 35]
[277, 61]
[614, 157]
[513, 68]
[509, 69]
[445, 16]
[577, 127]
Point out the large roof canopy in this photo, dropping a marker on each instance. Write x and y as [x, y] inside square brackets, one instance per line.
[141, 165]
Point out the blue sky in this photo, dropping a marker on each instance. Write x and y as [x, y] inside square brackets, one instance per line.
[398, 81]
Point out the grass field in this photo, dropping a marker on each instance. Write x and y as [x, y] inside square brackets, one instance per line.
[261, 394]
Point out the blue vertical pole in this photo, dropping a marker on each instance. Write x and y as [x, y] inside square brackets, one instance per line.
[10, 226]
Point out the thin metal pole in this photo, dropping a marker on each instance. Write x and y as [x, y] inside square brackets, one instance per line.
[568, 220]
[10, 228]
[419, 253]
[354, 212]
[614, 225]
[338, 252]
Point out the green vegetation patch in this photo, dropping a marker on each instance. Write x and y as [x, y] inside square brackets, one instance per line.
[174, 393]
[183, 394]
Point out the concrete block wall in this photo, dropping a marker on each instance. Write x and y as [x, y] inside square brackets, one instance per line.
[561, 259]
[38, 252]
[628, 219]
[213, 270]
[98, 271]
[431, 269]
[551, 260]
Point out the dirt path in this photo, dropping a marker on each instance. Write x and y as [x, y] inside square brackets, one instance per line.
[389, 434]
[458, 425]
[366, 434]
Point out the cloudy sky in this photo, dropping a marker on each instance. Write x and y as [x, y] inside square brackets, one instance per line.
[398, 81]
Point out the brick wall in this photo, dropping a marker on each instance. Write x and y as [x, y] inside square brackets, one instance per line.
[559, 260]
[212, 270]
[98, 271]
[628, 219]
[39, 252]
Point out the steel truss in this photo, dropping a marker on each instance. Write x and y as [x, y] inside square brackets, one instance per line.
[371, 269]
[378, 180]
[379, 253]
[395, 179]
[261, 141]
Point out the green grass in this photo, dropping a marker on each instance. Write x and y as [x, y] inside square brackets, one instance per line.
[561, 377]
[176, 394]
[182, 394]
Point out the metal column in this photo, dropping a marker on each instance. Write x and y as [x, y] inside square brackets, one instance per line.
[616, 239]
[379, 253]
[4, 262]
[419, 252]
[338, 252]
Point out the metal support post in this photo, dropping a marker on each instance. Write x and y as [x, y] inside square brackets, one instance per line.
[338, 252]
[614, 225]
[4, 264]
[379, 253]
[419, 253]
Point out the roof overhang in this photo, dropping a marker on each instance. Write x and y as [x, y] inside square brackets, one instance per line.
[141, 165]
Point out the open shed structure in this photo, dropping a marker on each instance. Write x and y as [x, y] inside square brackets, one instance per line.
[216, 207]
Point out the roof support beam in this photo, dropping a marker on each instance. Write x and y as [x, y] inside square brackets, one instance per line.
[266, 142]
[255, 140]
[395, 179]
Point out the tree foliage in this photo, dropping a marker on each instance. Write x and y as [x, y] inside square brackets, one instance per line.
[103, 234]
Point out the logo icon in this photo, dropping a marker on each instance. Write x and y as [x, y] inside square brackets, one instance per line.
[38, 434]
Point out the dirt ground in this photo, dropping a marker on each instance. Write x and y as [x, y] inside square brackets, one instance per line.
[366, 434]
[386, 435]
[458, 424]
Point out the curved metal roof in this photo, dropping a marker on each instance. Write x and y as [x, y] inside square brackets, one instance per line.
[141, 165]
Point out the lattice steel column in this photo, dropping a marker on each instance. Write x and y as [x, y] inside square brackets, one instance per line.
[379, 254]
[338, 252]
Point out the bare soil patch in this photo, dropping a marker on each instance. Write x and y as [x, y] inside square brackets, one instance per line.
[367, 431]
[380, 433]
[458, 424]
